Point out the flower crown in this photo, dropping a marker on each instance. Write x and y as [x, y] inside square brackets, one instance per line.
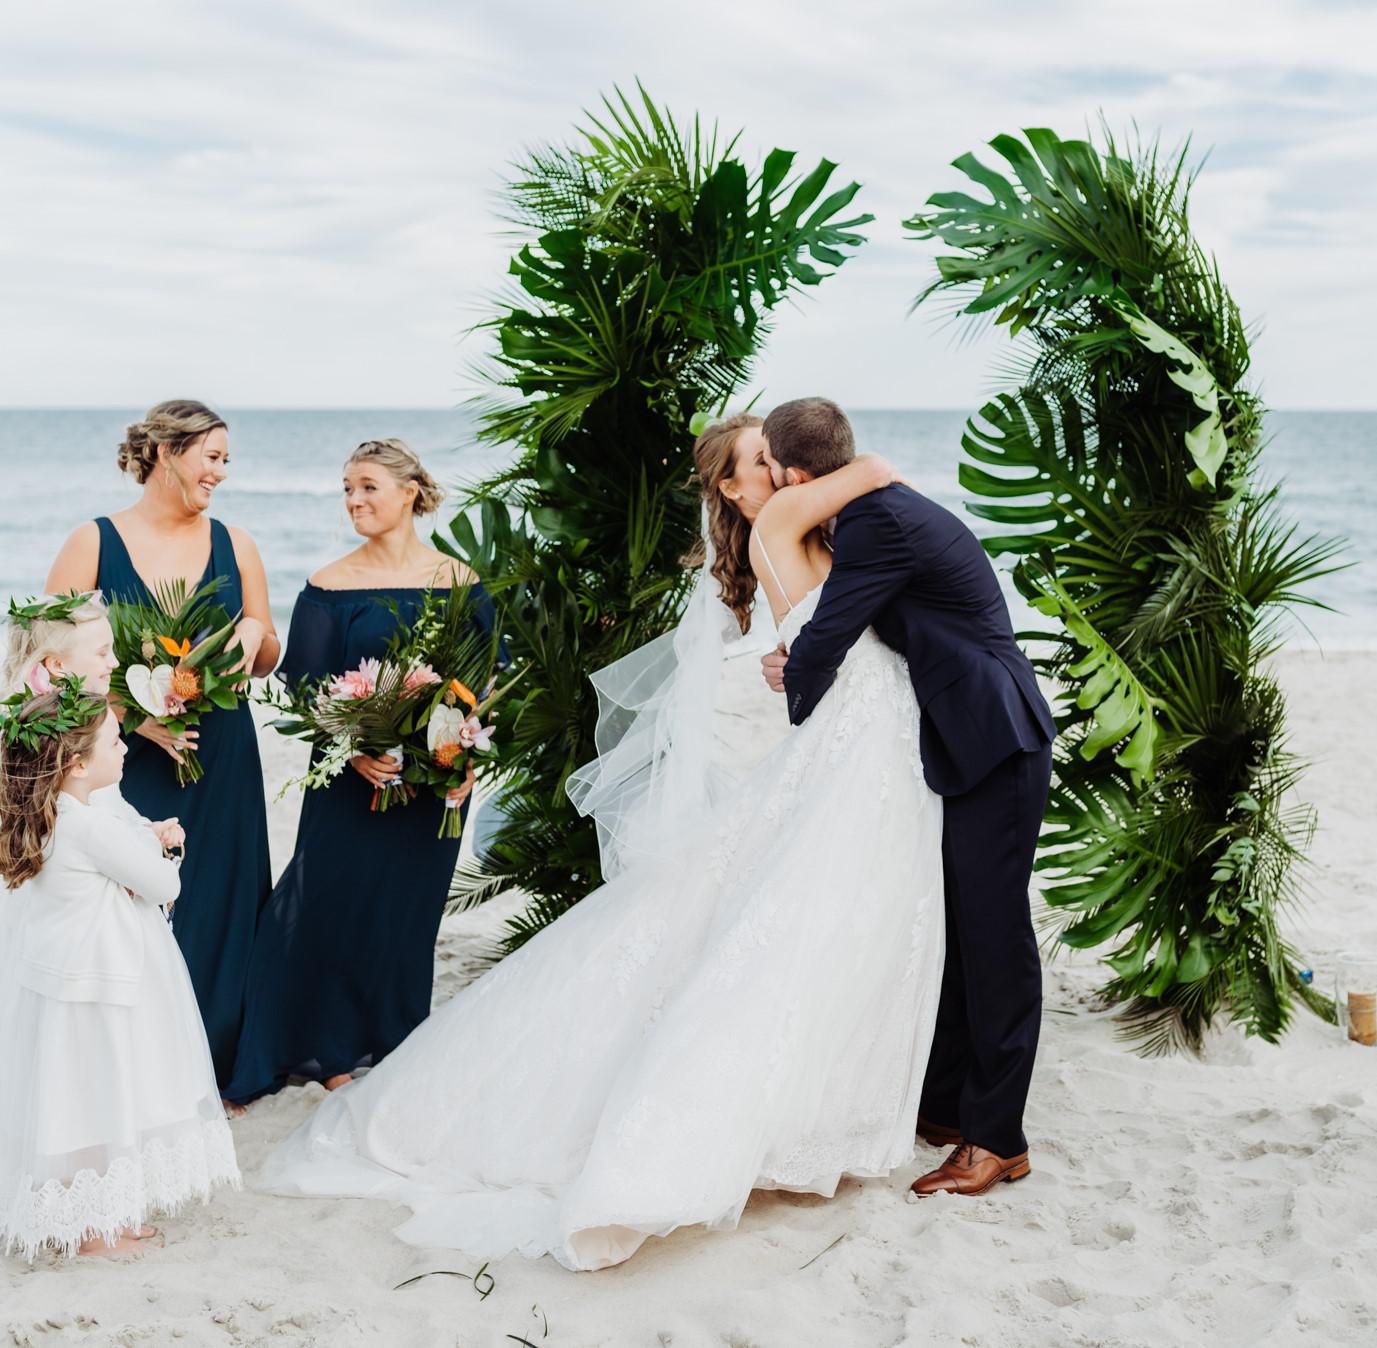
[48, 609]
[75, 708]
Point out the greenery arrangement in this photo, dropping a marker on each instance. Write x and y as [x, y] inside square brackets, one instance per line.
[655, 258]
[1126, 460]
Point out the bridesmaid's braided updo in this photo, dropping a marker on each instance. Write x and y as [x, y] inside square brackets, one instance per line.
[174, 424]
[400, 460]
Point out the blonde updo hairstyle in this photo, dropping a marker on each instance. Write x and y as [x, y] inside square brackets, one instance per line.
[43, 640]
[175, 425]
[714, 452]
[400, 460]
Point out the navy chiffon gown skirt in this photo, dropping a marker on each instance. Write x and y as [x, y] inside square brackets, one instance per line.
[343, 961]
[226, 876]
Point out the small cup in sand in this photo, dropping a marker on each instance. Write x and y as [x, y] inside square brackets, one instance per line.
[1356, 998]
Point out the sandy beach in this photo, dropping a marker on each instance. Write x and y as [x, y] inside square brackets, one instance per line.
[1226, 1200]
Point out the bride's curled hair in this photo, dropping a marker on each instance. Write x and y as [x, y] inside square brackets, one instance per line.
[730, 531]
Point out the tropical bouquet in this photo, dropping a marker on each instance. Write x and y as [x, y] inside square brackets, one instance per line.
[414, 703]
[178, 660]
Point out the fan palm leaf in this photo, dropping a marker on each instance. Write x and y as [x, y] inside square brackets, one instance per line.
[653, 256]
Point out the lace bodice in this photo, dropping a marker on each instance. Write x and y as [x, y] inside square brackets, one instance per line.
[866, 651]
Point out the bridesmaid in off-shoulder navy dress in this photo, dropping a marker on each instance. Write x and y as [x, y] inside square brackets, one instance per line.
[343, 962]
[180, 454]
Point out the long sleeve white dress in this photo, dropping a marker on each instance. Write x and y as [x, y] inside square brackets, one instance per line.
[108, 1105]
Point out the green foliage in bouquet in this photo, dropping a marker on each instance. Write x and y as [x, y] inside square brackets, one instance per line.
[1125, 462]
[655, 257]
[396, 703]
[177, 661]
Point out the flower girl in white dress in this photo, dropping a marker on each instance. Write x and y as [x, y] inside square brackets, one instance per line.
[108, 1103]
[64, 637]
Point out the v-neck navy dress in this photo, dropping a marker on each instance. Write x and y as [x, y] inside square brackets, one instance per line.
[226, 875]
[345, 954]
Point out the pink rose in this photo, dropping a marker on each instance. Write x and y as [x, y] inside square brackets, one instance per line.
[39, 680]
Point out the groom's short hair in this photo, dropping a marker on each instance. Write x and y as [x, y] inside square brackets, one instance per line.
[812, 434]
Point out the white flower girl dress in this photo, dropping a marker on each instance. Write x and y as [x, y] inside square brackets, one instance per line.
[108, 1105]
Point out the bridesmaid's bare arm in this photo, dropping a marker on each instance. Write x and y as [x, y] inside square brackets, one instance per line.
[78, 563]
[256, 632]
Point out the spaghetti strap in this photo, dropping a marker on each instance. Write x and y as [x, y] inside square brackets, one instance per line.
[779, 585]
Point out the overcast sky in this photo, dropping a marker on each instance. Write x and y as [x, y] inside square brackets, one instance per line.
[293, 202]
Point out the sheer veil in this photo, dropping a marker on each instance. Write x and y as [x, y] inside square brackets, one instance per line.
[654, 773]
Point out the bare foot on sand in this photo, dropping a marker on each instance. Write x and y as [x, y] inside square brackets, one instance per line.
[340, 1079]
[128, 1241]
[233, 1111]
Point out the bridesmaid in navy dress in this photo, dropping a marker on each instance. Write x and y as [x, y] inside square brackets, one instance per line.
[180, 454]
[343, 961]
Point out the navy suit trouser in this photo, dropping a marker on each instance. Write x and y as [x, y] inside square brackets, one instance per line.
[991, 1005]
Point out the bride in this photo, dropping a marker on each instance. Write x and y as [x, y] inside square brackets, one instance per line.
[747, 1004]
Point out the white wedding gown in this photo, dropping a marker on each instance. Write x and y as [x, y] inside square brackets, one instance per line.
[754, 1013]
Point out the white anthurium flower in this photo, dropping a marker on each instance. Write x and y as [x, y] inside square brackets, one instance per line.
[150, 688]
[445, 725]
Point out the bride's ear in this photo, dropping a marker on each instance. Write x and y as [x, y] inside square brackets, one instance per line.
[732, 494]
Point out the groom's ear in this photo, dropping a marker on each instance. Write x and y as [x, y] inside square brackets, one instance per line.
[795, 476]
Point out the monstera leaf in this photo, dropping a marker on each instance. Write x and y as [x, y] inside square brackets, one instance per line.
[653, 257]
[1122, 707]
[1205, 441]
[1169, 834]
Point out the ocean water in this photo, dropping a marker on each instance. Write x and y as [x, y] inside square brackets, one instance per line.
[58, 469]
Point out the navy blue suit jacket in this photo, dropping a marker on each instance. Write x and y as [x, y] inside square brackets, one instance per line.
[914, 571]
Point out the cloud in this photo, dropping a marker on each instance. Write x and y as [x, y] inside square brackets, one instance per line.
[294, 204]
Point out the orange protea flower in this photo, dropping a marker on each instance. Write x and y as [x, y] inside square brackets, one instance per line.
[173, 649]
[445, 754]
[459, 690]
[186, 683]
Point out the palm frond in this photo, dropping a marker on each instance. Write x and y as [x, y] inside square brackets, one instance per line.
[652, 256]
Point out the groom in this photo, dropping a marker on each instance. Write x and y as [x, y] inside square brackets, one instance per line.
[916, 574]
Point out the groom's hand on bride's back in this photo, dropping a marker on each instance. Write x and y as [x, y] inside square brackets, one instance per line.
[772, 666]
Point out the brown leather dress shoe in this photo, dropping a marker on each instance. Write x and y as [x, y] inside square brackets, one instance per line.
[971, 1170]
[938, 1134]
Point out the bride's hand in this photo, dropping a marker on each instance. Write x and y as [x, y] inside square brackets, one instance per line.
[885, 472]
[165, 740]
[772, 666]
[375, 771]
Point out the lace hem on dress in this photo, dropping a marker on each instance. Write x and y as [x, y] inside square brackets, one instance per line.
[163, 1177]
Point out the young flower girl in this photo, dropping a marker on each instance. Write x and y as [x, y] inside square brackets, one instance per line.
[108, 1103]
[59, 636]
[63, 636]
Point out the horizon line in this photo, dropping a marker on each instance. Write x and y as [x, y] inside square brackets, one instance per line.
[459, 407]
